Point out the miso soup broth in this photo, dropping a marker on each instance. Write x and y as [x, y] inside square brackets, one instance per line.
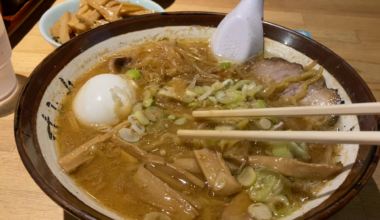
[127, 157]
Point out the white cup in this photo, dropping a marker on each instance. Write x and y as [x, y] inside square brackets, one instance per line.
[8, 81]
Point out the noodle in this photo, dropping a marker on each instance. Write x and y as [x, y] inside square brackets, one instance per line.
[176, 78]
[306, 84]
[310, 66]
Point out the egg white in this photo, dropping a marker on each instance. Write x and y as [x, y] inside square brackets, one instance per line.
[93, 104]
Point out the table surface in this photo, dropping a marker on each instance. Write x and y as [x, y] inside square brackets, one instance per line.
[350, 28]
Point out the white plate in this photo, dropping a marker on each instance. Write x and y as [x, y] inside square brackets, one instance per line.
[51, 16]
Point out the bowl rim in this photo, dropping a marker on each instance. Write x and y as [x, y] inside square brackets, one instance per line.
[369, 167]
[45, 16]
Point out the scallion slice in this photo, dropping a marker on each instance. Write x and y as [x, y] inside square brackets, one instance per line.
[261, 103]
[228, 96]
[225, 64]
[142, 118]
[281, 149]
[180, 121]
[133, 74]
[193, 104]
[241, 83]
[247, 177]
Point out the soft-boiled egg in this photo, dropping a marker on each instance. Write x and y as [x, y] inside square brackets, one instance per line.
[94, 104]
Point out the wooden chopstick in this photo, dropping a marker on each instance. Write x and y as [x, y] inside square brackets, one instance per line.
[349, 109]
[346, 137]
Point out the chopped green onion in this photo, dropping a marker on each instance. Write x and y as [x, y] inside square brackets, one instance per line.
[171, 117]
[199, 90]
[191, 93]
[206, 88]
[229, 96]
[180, 121]
[193, 104]
[241, 83]
[223, 144]
[256, 89]
[274, 120]
[268, 184]
[189, 96]
[244, 122]
[250, 91]
[281, 149]
[147, 99]
[129, 136]
[261, 103]
[133, 74]
[247, 177]
[154, 113]
[149, 102]
[213, 99]
[142, 118]
[217, 86]
[299, 151]
[259, 195]
[208, 92]
[137, 107]
[259, 211]
[265, 123]
[187, 99]
[280, 205]
[225, 64]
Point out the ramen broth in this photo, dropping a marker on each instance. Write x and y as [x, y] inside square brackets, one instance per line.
[109, 176]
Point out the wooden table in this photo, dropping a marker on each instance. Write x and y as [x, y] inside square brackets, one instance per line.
[351, 28]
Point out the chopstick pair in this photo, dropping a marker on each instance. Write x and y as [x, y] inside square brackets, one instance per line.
[347, 137]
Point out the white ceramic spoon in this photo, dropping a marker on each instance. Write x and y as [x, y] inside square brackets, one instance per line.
[239, 36]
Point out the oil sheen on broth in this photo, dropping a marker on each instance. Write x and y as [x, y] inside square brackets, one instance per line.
[144, 171]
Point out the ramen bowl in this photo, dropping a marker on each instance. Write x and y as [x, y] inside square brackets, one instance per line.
[39, 103]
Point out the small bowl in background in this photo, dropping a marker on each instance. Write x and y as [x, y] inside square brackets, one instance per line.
[51, 16]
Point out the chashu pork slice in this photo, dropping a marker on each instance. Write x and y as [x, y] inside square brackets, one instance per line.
[277, 69]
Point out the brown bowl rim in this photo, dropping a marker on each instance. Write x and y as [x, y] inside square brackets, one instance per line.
[370, 166]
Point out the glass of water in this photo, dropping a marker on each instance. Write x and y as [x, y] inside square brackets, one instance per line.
[8, 81]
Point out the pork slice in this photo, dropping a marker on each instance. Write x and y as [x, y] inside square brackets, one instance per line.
[276, 69]
[319, 94]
